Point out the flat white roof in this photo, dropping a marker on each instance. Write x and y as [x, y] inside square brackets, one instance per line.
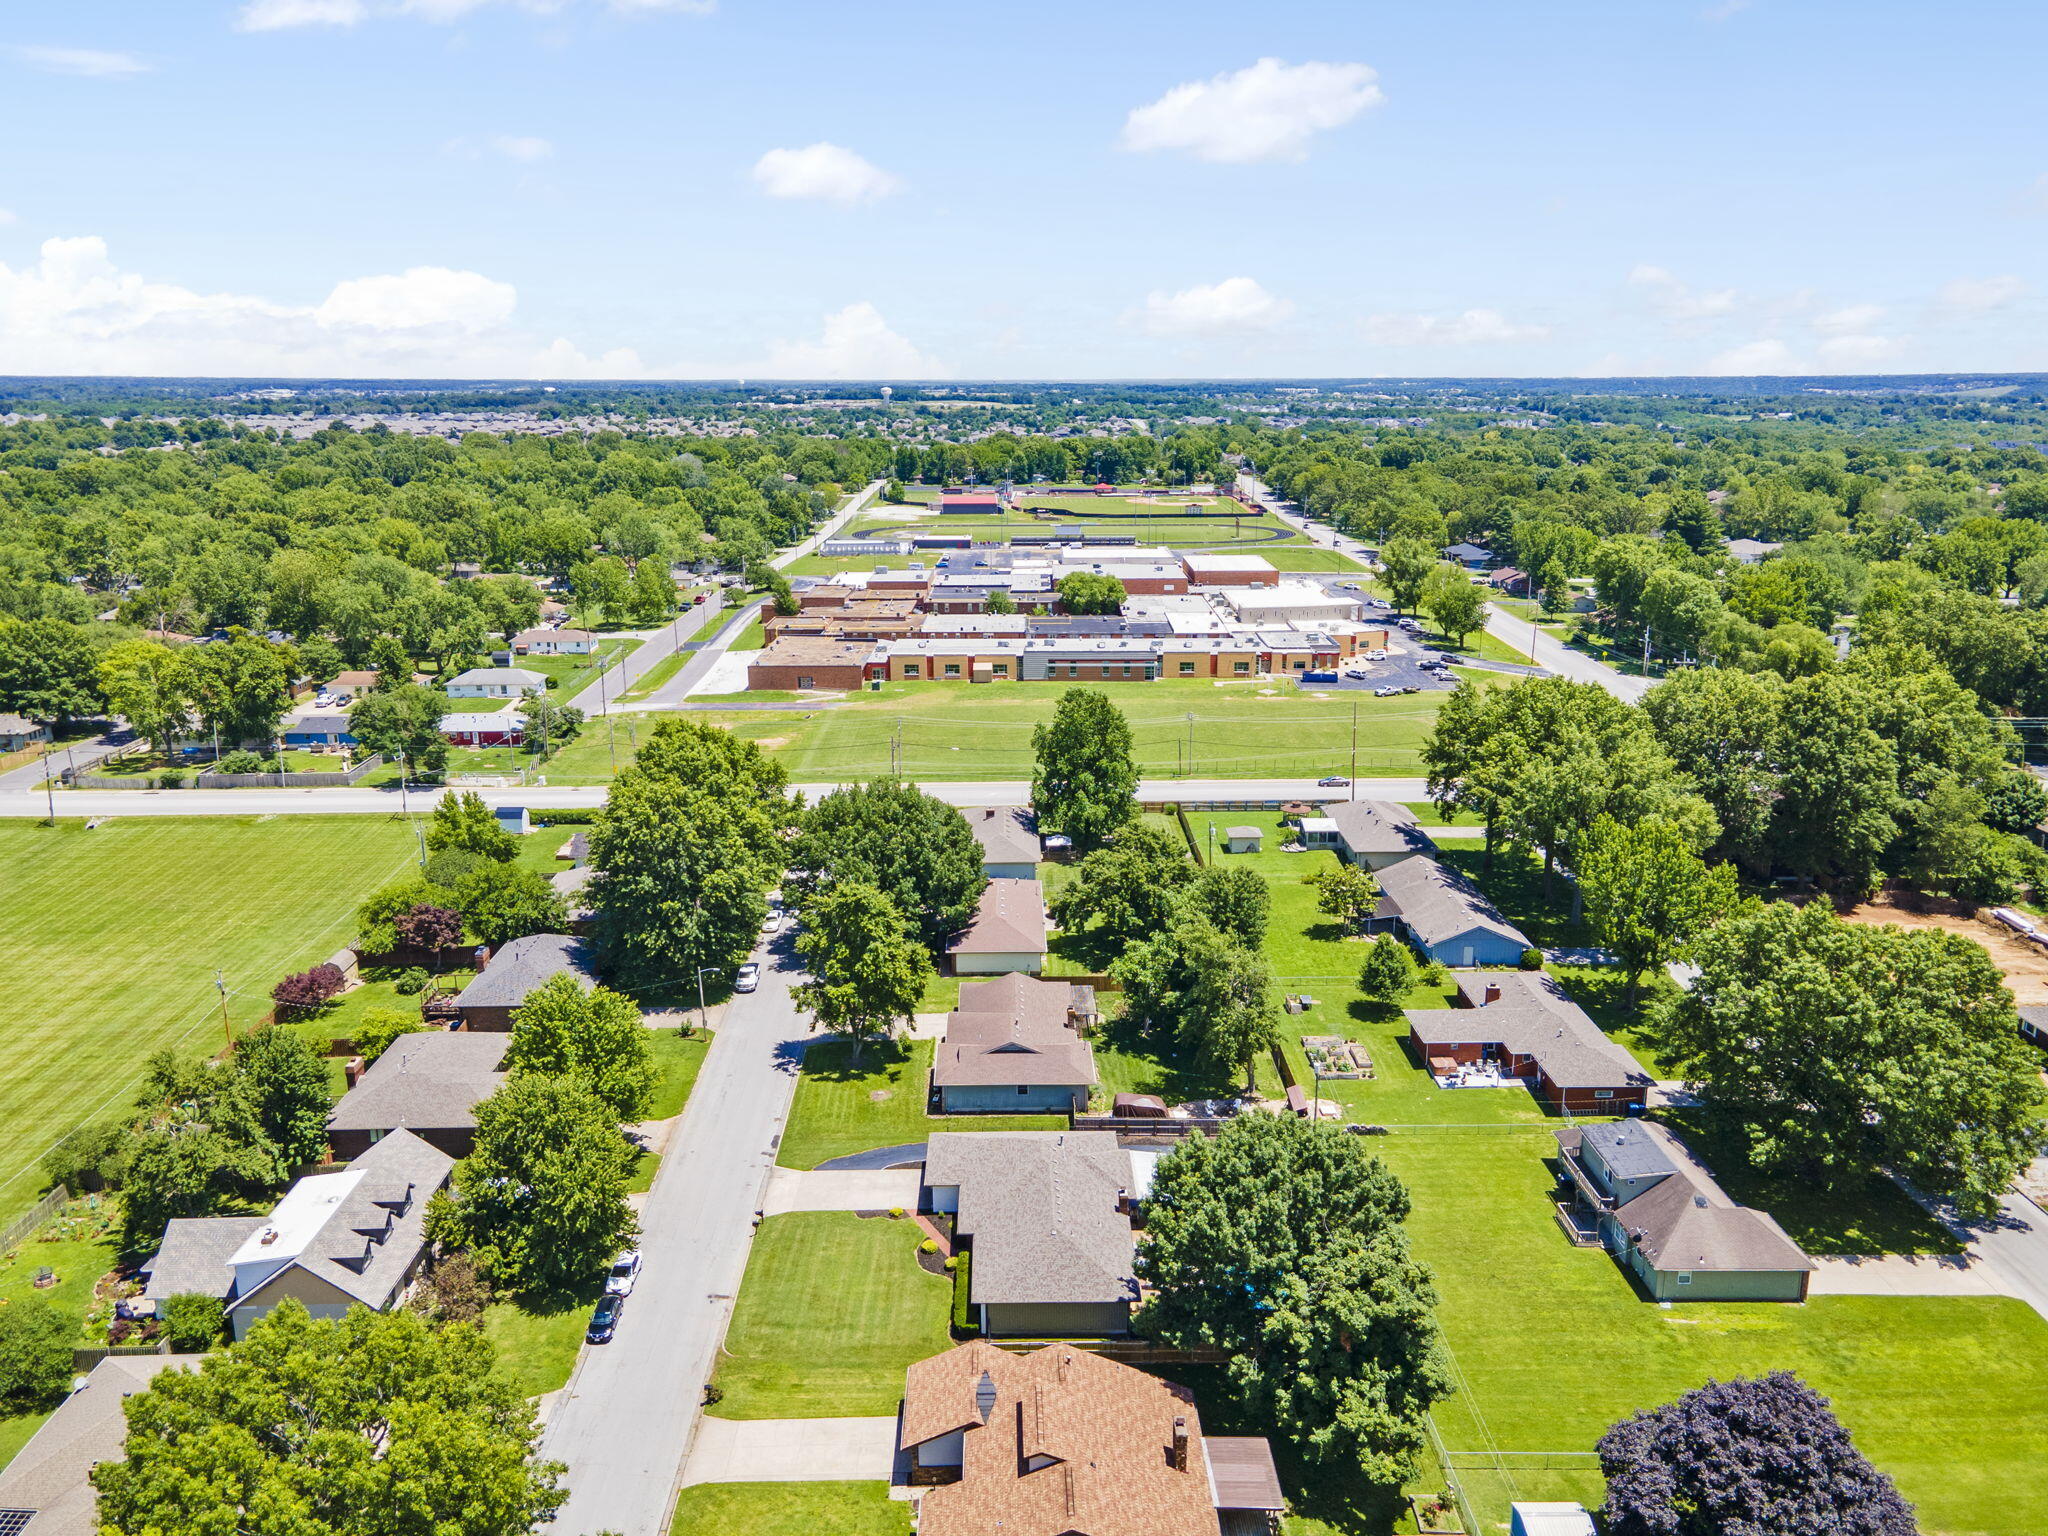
[1209, 562]
[305, 1209]
[1318, 824]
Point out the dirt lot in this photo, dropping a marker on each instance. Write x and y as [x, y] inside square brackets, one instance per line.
[2025, 964]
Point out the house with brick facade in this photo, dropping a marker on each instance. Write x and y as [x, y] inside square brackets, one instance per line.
[798, 665]
[1521, 1025]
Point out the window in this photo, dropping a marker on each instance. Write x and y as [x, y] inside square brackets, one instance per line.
[1603, 1093]
[952, 669]
[1001, 669]
[1240, 667]
[910, 669]
[1685, 1277]
[802, 681]
[1023, 1088]
[1187, 669]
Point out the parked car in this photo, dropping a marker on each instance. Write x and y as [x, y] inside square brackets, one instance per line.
[749, 977]
[1384, 693]
[1357, 673]
[624, 1271]
[773, 922]
[604, 1322]
[1333, 781]
[1377, 653]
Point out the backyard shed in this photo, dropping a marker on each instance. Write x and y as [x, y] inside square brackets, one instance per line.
[1242, 840]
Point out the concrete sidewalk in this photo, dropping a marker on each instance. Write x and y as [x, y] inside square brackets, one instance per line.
[883, 1189]
[792, 1451]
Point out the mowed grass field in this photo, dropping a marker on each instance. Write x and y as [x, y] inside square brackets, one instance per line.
[111, 938]
[1258, 728]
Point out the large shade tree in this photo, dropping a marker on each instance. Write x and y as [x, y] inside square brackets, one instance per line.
[1841, 1048]
[1282, 1242]
[915, 849]
[338, 1427]
[1086, 779]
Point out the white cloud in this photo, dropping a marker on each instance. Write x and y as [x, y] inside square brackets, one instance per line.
[1767, 356]
[1266, 111]
[75, 311]
[93, 63]
[857, 344]
[1974, 295]
[1856, 353]
[277, 15]
[8, 216]
[1723, 9]
[825, 172]
[1235, 304]
[1854, 317]
[1679, 300]
[1470, 328]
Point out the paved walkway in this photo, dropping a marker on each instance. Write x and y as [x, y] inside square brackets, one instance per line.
[793, 1189]
[1901, 1275]
[792, 1451]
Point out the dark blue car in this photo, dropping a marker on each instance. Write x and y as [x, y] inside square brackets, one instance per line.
[605, 1319]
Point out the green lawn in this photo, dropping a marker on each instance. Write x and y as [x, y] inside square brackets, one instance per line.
[678, 1057]
[1552, 1345]
[77, 1247]
[537, 1340]
[842, 1109]
[1241, 729]
[790, 1509]
[116, 934]
[833, 1310]
[753, 637]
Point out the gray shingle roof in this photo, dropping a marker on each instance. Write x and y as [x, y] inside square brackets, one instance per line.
[51, 1475]
[1532, 1017]
[1013, 1031]
[1041, 1207]
[523, 966]
[370, 1243]
[1438, 903]
[1007, 834]
[1378, 827]
[430, 1081]
[193, 1257]
[1687, 1222]
[1628, 1149]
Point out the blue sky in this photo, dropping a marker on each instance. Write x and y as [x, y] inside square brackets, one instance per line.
[669, 188]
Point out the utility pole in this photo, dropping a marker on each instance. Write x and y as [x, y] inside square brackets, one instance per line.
[1646, 650]
[611, 742]
[50, 785]
[221, 986]
[1191, 743]
[1353, 795]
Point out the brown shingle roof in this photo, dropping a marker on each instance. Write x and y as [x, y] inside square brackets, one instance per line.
[1108, 1429]
[1007, 833]
[1010, 920]
[1013, 1030]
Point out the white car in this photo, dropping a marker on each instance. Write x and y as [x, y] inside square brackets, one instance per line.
[624, 1271]
[1377, 653]
[749, 977]
[773, 923]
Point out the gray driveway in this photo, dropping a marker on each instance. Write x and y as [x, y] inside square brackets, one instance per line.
[624, 1423]
[2010, 1250]
[793, 1451]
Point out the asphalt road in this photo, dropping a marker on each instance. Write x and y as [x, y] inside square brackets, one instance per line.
[676, 690]
[625, 1423]
[374, 802]
[1553, 655]
[78, 754]
[2013, 1245]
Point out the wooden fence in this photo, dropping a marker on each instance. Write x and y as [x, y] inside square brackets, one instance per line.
[33, 1221]
[83, 1360]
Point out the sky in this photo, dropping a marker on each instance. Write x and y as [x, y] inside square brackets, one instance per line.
[981, 189]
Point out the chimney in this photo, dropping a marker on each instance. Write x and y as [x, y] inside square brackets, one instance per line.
[352, 1070]
[1180, 1443]
[1492, 994]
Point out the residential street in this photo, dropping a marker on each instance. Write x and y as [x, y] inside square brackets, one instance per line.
[2011, 1247]
[1552, 654]
[375, 802]
[857, 503]
[625, 1422]
[78, 754]
[718, 640]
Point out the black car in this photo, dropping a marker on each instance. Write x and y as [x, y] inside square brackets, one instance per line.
[605, 1319]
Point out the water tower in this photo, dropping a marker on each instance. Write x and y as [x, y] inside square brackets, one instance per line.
[887, 391]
